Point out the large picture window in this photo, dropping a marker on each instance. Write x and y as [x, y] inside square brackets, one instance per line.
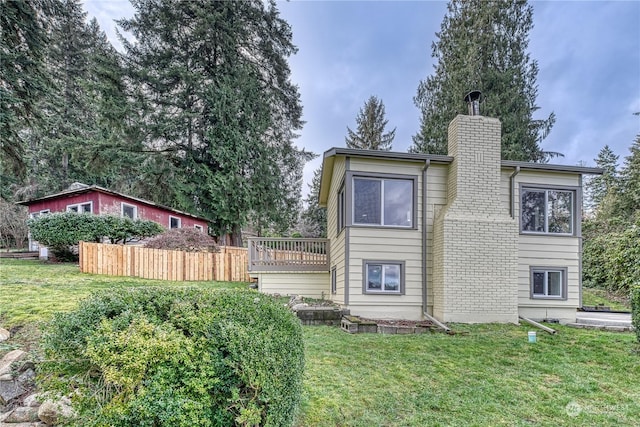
[549, 282]
[381, 201]
[385, 277]
[547, 211]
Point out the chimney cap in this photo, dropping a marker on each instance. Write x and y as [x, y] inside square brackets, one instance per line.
[474, 95]
[473, 101]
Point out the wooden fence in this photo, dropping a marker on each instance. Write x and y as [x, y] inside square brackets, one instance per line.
[229, 264]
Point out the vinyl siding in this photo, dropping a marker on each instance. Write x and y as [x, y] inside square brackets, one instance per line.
[307, 284]
[437, 178]
[544, 250]
[387, 244]
[337, 241]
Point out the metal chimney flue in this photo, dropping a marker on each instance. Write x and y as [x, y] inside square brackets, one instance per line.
[473, 101]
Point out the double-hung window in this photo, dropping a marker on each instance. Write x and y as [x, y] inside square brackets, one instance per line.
[383, 201]
[385, 277]
[548, 211]
[549, 282]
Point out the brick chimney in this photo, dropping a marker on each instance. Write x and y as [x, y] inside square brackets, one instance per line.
[475, 240]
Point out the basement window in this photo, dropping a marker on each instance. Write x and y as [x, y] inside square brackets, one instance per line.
[549, 283]
[383, 277]
[547, 211]
[334, 281]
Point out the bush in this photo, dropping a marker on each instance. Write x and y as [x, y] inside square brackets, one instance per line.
[183, 239]
[635, 308]
[190, 357]
[60, 231]
[612, 260]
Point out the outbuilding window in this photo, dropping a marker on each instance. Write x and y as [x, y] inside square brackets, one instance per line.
[547, 211]
[383, 277]
[130, 211]
[81, 207]
[175, 222]
[549, 282]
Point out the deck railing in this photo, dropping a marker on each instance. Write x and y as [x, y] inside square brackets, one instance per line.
[279, 254]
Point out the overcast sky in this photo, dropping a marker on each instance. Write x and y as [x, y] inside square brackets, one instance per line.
[588, 53]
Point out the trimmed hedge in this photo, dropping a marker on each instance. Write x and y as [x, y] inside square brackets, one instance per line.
[61, 230]
[635, 308]
[189, 357]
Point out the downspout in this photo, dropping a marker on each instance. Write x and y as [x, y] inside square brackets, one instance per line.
[512, 177]
[427, 163]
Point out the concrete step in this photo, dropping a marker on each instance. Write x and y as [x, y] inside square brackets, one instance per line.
[602, 327]
[604, 319]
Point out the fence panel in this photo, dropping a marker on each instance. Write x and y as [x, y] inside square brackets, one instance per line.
[229, 264]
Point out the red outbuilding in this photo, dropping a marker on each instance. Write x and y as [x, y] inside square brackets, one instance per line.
[100, 201]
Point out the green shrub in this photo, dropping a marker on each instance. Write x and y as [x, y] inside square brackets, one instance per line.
[612, 260]
[635, 308]
[59, 231]
[189, 357]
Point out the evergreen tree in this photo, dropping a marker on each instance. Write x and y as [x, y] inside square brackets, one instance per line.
[54, 139]
[314, 217]
[370, 134]
[219, 109]
[629, 198]
[23, 80]
[482, 46]
[600, 186]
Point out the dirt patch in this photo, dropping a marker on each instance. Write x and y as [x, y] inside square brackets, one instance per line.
[399, 322]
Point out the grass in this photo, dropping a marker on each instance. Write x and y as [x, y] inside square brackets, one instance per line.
[595, 296]
[488, 375]
[32, 290]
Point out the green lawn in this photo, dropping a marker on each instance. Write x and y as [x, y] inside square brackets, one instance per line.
[595, 296]
[487, 375]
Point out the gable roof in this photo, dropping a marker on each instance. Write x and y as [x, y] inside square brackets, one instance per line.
[77, 188]
[329, 156]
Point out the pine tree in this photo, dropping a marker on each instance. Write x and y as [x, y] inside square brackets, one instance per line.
[53, 141]
[23, 80]
[482, 46]
[607, 183]
[219, 109]
[371, 123]
[314, 217]
[629, 198]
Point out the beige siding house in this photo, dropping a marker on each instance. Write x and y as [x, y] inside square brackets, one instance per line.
[463, 238]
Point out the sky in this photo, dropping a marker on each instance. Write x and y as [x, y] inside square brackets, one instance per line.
[588, 53]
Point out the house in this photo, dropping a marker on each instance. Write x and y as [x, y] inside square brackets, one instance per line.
[93, 199]
[466, 237]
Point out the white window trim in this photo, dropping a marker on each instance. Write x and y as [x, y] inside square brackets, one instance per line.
[37, 214]
[574, 204]
[135, 210]
[78, 205]
[179, 221]
[563, 282]
[365, 273]
[198, 227]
